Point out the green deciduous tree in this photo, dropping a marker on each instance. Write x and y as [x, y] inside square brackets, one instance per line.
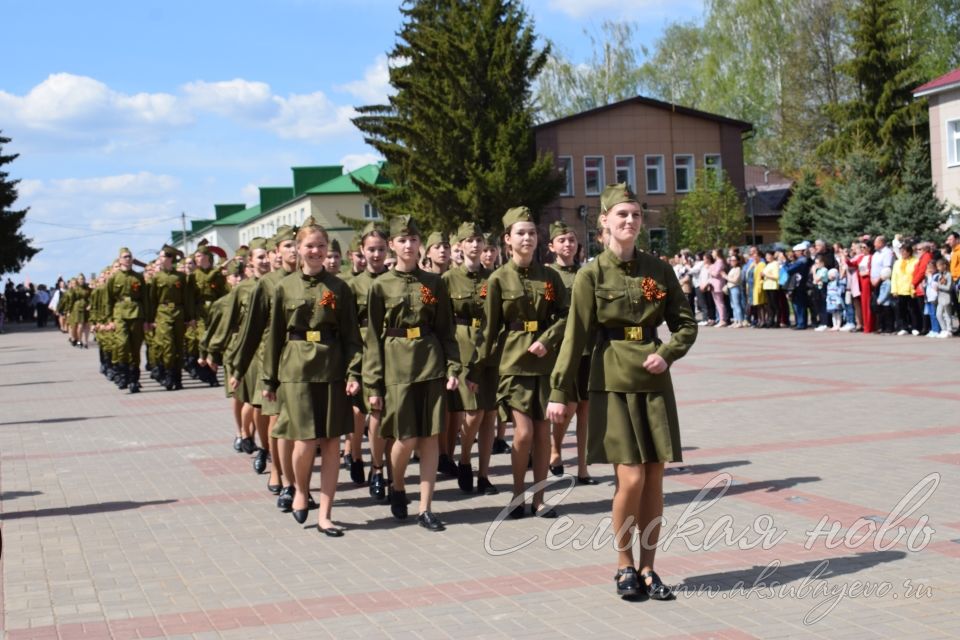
[804, 210]
[457, 134]
[15, 249]
[712, 214]
[915, 210]
[860, 201]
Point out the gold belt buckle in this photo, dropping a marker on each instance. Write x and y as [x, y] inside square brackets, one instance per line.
[633, 333]
[530, 325]
[313, 336]
[475, 323]
[413, 333]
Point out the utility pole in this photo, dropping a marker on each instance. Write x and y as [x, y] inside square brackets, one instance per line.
[183, 232]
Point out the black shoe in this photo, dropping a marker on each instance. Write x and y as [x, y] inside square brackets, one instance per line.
[331, 532]
[628, 584]
[430, 522]
[465, 477]
[285, 499]
[312, 504]
[557, 470]
[398, 504]
[260, 462]
[500, 446]
[378, 488]
[236, 444]
[275, 489]
[544, 512]
[300, 515]
[247, 445]
[586, 480]
[348, 461]
[656, 589]
[447, 466]
[518, 511]
[484, 487]
[157, 374]
[134, 387]
[356, 472]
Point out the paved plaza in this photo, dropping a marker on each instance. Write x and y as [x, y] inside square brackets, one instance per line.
[130, 516]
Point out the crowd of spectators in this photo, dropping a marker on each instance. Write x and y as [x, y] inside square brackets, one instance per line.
[27, 302]
[902, 287]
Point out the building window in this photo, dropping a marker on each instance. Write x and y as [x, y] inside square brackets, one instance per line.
[593, 177]
[658, 241]
[654, 166]
[370, 212]
[711, 162]
[566, 170]
[953, 143]
[626, 171]
[683, 167]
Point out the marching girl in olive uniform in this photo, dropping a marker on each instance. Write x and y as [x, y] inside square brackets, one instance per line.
[79, 319]
[621, 298]
[373, 244]
[409, 358]
[206, 358]
[467, 285]
[249, 357]
[563, 244]
[126, 301]
[313, 340]
[490, 259]
[526, 306]
[171, 310]
[437, 253]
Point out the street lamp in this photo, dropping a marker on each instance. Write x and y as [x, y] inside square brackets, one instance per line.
[751, 194]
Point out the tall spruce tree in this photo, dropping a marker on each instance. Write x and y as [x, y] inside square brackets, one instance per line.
[804, 210]
[457, 134]
[915, 210]
[15, 249]
[860, 201]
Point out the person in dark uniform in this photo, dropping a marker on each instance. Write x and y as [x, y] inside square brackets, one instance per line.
[410, 358]
[171, 311]
[525, 311]
[620, 299]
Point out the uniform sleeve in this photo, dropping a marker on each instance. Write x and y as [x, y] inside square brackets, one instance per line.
[444, 327]
[251, 333]
[349, 329]
[552, 337]
[489, 334]
[579, 326]
[218, 341]
[680, 320]
[213, 325]
[373, 349]
[274, 343]
[151, 300]
[189, 307]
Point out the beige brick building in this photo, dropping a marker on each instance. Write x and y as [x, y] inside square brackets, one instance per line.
[943, 96]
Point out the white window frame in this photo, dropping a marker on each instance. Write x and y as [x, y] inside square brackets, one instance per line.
[953, 143]
[370, 212]
[690, 168]
[566, 169]
[601, 178]
[718, 168]
[661, 173]
[631, 171]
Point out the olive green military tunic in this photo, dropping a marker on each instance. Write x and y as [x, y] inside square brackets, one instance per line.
[126, 308]
[171, 307]
[224, 342]
[248, 357]
[468, 289]
[633, 413]
[360, 285]
[208, 285]
[523, 305]
[568, 274]
[410, 351]
[79, 305]
[215, 314]
[309, 355]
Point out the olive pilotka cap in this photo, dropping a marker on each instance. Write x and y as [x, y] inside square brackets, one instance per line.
[614, 194]
[559, 228]
[171, 252]
[515, 215]
[403, 226]
[258, 243]
[437, 237]
[335, 246]
[284, 233]
[468, 230]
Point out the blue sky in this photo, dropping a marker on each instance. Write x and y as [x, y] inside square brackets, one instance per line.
[127, 113]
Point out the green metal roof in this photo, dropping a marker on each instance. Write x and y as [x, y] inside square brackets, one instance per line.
[224, 210]
[239, 217]
[306, 177]
[196, 225]
[369, 174]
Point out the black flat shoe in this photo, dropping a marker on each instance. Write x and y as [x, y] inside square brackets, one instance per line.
[311, 503]
[347, 461]
[378, 488]
[544, 512]
[236, 444]
[430, 522]
[300, 515]
[447, 467]
[557, 470]
[500, 446]
[275, 489]
[398, 504]
[484, 487]
[628, 584]
[260, 462]
[518, 511]
[331, 532]
[247, 446]
[586, 480]
[356, 472]
[465, 477]
[656, 589]
[285, 499]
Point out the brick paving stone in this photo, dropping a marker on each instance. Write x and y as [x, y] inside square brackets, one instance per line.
[130, 516]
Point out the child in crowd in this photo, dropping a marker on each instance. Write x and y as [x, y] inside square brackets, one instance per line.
[931, 293]
[819, 277]
[835, 291]
[885, 302]
[944, 303]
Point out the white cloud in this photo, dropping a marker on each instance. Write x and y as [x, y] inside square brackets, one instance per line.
[310, 117]
[353, 161]
[375, 85]
[236, 98]
[27, 188]
[132, 184]
[250, 193]
[616, 8]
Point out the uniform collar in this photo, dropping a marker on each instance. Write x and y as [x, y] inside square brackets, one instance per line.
[627, 266]
[568, 269]
[314, 279]
[523, 271]
[409, 275]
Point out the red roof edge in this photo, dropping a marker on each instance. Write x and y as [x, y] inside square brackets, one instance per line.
[946, 80]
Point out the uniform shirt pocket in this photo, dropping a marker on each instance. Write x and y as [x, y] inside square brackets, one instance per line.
[613, 307]
[297, 312]
[514, 303]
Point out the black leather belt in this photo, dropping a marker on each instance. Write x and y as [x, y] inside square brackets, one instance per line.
[632, 334]
[410, 333]
[319, 335]
[529, 326]
[467, 322]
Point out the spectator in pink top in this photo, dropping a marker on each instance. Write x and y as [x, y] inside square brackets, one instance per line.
[717, 280]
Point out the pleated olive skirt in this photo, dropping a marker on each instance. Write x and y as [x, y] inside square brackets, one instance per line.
[311, 410]
[485, 399]
[527, 394]
[417, 410]
[633, 428]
